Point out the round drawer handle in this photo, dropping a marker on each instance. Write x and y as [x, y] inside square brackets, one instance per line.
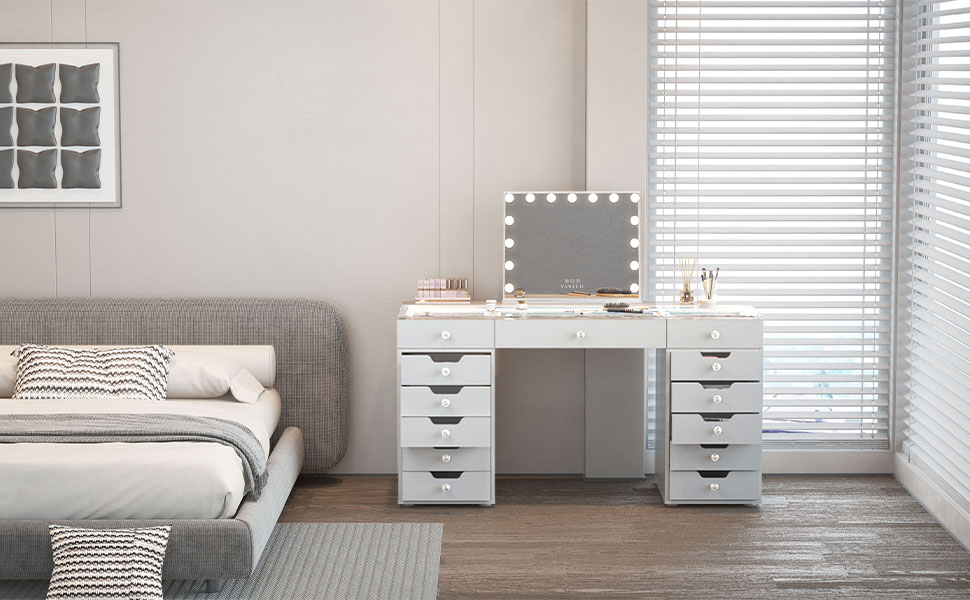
[716, 366]
[445, 403]
[580, 334]
[717, 430]
[714, 487]
[715, 334]
[447, 487]
[717, 398]
[445, 334]
[445, 371]
[447, 434]
[714, 457]
[446, 458]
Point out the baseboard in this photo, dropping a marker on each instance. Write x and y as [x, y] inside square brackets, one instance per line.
[937, 502]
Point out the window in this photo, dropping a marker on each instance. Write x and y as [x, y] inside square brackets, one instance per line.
[771, 157]
[935, 315]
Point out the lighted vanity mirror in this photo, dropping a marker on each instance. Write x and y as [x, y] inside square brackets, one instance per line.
[567, 244]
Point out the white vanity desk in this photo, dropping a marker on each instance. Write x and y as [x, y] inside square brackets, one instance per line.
[709, 396]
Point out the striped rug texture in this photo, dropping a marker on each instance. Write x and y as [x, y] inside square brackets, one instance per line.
[351, 561]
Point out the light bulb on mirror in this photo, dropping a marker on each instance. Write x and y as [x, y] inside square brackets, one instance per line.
[635, 287]
[550, 198]
[509, 198]
[509, 242]
[571, 198]
[614, 198]
[634, 243]
[530, 198]
[509, 288]
[510, 220]
[509, 265]
[634, 265]
[593, 198]
[634, 198]
[634, 220]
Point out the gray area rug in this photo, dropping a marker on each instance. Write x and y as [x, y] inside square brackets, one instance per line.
[320, 561]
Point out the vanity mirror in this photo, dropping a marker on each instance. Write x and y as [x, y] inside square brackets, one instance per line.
[561, 244]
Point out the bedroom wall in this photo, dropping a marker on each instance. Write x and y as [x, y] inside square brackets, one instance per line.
[338, 150]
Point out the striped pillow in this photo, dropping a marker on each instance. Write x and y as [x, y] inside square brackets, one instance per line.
[107, 563]
[130, 373]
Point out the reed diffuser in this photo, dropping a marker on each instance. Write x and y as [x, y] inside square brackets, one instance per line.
[687, 269]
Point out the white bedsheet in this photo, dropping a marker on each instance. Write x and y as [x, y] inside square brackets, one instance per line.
[167, 480]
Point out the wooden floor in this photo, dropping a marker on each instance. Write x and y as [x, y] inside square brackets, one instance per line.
[813, 537]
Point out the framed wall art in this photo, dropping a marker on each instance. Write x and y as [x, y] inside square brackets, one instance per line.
[60, 139]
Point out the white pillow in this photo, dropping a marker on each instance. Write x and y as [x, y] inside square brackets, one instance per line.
[8, 374]
[209, 375]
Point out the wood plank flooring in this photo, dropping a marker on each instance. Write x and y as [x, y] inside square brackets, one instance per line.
[813, 537]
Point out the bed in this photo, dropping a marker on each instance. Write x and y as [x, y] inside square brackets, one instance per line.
[219, 529]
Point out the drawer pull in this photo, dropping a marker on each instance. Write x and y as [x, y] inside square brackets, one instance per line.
[717, 430]
[445, 335]
[716, 366]
[580, 334]
[447, 458]
[717, 398]
[445, 371]
[447, 434]
[445, 403]
[715, 334]
[714, 487]
[714, 457]
[446, 487]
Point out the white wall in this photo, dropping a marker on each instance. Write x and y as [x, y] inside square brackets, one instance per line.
[329, 149]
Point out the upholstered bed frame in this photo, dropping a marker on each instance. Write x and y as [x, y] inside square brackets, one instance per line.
[312, 377]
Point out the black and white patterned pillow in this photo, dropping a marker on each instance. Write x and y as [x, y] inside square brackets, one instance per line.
[107, 564]
[130, 373]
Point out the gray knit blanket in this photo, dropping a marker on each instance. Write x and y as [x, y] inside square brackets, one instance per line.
[96, 428]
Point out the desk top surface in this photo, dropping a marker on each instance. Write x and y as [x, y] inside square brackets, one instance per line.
[479, 311]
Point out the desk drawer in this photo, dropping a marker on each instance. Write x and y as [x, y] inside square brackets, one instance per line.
[444, 334]
[738, 485]
[470, 369]
[731, 398]
[726, 365]
[446, 459]
[714, 333]
[742, 457]
[693, 429]
[579, 333]
[420, 432]
[424, 487]
[468, 402]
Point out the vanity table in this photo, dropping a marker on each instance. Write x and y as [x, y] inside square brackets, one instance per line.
[709, 396]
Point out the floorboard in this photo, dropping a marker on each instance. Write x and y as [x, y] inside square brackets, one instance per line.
[558, 537]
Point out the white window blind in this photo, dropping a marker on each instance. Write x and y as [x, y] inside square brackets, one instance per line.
[771, 157]
[936, 384]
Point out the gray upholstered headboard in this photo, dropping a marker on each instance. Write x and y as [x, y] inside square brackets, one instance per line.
[312, 373]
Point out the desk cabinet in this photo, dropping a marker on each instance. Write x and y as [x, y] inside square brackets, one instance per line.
[709, 399]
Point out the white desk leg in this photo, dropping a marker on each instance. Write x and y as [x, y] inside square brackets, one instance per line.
[615, 436]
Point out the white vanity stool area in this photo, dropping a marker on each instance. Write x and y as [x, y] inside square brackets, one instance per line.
[709, 397]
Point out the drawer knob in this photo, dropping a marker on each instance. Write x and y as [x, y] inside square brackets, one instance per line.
[447, 487]
[714, 457]
[445, 371]
[445, 335]
[446, 458]
[717, 398]
[714, 487]
[445, 403]
[717, 430]
[447, 434]
[716, 366]
[715, 334]
[580, 334]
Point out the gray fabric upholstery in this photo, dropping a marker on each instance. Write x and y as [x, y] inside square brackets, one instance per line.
[309, 337]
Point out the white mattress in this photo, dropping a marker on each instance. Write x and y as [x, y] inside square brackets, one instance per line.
[166, 480]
